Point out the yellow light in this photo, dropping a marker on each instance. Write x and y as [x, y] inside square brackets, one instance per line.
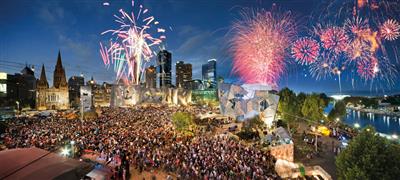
[356, 125]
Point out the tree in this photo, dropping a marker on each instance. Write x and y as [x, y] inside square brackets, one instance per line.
[288, 106]
[253, 124]
[324, 97]
[338, 111]
[182, 121]
[369, 156]
[313, 107]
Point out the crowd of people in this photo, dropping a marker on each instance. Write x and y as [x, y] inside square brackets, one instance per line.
[144, 138]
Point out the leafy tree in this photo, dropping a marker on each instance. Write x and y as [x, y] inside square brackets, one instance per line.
[253, 124]
[369, 156]
[313, 107]
[288, 105]
[301, 97]
[324, 97]
[338, 111]
[182, 121]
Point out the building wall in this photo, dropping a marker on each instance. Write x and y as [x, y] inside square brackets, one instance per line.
[52, 98]
[284, 151]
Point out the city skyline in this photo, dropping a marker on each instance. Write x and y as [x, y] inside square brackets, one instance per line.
[190, 38]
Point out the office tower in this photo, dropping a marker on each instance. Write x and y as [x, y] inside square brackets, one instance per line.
[164, 59]
[183, 75]
[209, 73]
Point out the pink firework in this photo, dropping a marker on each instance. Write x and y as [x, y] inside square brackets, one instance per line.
[305, 50]
[390, 30]
[355, 26]
[131, 43]
[333, 38]
[259, 45]
[367, 69]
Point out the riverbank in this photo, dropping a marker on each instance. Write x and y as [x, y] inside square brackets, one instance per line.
[374, 111]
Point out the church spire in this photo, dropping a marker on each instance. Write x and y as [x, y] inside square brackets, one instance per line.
[59, 63]
[42, 83]
[59, 79]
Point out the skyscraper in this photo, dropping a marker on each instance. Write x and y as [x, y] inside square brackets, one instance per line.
[164, 59]
[212, 71]
[151, 77]
[209, 73]
[183, 75]
[204, 69]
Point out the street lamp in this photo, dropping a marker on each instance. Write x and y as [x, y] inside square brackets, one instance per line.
[356, 125]
[65, 152]
[337, 119]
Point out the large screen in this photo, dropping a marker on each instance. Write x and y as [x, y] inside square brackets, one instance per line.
[3, 83]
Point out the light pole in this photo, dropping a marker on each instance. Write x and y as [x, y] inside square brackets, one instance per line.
[340, 83]
[17, 102]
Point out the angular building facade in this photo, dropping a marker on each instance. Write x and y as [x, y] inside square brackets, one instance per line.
[164, 59]
[56, 97]
[248, 100]
[183, 75]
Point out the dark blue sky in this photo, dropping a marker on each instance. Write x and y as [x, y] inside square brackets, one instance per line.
[32, 31]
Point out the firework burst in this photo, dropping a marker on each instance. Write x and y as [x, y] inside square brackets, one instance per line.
[390, 30]
[368, 69]
[333, 38]
[305, 50]
[259, 45]
[354, 26]
[323, 67]
[131, 43]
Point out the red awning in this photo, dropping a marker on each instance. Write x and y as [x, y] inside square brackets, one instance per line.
[35, 163]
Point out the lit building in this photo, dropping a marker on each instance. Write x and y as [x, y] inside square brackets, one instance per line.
[3, 85]
[209, 73]
[123, 95]
[197, 84]
[56, 97]
[86, 97]
[248, 100]
[74, 84]
[164, 59]
[101, 95]
[183, 75]
[18, 90]
[151, 77]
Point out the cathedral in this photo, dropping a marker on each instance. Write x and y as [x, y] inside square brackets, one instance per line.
[55, 97]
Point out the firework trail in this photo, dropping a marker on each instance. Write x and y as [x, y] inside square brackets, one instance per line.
[305, 50]
[260, 45]
[131, 43]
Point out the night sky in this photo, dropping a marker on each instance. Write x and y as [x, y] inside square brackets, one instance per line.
[32, 32]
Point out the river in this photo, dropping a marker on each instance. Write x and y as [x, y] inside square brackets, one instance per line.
[383, 123]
